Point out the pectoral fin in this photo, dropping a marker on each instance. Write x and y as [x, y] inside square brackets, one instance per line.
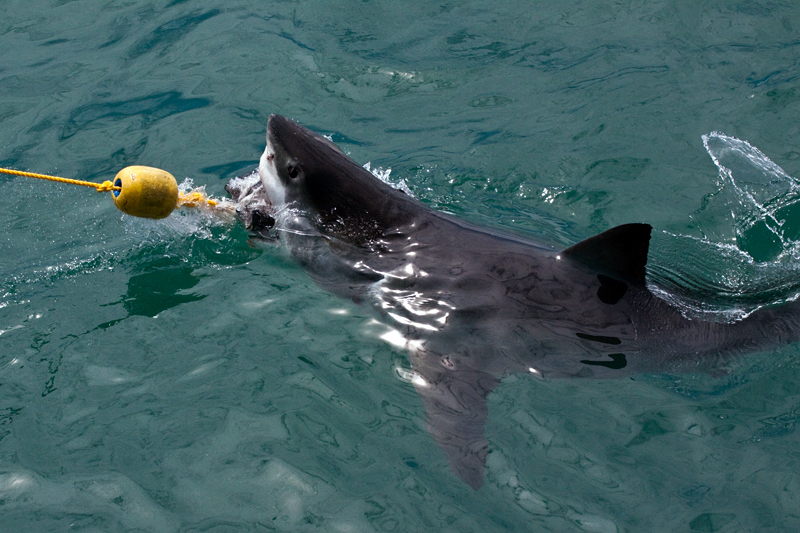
[455, 404]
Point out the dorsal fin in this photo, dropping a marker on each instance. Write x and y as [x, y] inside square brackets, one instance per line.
[620, 252]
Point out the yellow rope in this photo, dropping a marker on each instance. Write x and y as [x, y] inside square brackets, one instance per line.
[101, 187]
[195, 199]
[198, 198]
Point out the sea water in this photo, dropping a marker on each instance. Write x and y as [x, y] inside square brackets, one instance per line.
[167, 376]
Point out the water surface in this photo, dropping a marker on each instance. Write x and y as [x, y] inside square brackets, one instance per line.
[166, 376]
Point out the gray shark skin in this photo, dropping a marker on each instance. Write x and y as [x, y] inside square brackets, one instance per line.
[472, 305]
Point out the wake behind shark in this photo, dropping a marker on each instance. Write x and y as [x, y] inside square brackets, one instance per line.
[474, 304]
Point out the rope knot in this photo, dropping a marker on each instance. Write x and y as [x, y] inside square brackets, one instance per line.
[107, 186]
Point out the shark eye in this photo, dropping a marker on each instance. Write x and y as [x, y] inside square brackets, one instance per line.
[292, 170]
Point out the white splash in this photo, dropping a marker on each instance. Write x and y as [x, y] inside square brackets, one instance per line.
[383, 175]
[764, 204]
[743, 264]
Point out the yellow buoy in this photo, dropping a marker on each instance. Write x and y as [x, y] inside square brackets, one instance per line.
[145, 192]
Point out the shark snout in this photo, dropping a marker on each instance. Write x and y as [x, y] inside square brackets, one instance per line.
[267, 171]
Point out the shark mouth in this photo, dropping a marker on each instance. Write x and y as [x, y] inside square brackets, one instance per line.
[253, 205]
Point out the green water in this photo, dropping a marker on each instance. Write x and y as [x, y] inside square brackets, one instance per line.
[165, 376]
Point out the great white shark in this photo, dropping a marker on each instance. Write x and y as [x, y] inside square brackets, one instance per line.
[475, 304]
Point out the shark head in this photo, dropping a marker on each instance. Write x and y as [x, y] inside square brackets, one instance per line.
[304, 171]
